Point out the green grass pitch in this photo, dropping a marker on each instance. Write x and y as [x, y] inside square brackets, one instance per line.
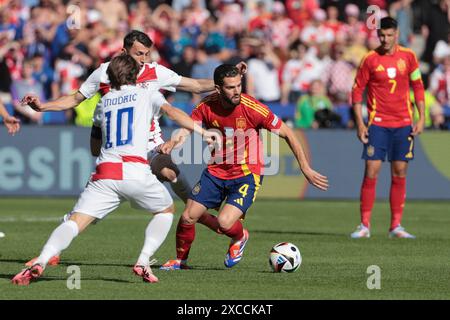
[334, 266]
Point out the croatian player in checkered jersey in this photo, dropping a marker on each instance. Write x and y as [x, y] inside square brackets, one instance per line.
[122, 171]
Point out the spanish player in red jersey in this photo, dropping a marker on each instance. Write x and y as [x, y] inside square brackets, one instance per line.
[234, 173]
[388, 72]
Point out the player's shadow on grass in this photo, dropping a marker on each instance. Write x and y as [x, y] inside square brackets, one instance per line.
[47, 278]
[71, 263]
[296, 233]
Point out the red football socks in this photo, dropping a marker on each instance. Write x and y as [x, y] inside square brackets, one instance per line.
[185, 237]
[210, 221]
[367, 199]
[236, 232]
[397, 200]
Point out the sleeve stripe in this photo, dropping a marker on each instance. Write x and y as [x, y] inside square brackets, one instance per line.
[415, 75]
[254, 106]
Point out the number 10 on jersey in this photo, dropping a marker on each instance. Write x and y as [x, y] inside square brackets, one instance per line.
[121, 129]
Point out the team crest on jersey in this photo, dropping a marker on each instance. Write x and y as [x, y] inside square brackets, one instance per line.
[391, 72]
[196, 189]
[401, 66]
[370, 151]
[241, 123]
[143, 85]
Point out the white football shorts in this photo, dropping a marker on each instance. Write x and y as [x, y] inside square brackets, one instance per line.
[101, 197]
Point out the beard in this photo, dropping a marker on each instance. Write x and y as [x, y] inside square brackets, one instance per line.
[236, 102]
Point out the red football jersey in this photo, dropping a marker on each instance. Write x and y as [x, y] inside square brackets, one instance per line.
[241, 152]
[388, 78]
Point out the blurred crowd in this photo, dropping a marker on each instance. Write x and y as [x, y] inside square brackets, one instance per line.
[302, 55]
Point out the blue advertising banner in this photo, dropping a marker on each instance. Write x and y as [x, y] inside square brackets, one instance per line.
[56, 161]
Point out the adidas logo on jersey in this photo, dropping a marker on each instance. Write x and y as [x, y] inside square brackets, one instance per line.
[379, 68]
[239, 201]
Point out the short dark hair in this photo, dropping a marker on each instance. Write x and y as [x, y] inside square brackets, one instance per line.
[224, 71]
[122, 70]
[388, 23]
[138, 36]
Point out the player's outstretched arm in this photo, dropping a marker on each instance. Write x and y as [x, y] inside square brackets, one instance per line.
[313, 177]
[12, 124]
[181, 117]
[60, 104]
[204, 85]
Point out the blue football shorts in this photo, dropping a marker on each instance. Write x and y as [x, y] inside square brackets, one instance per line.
[211, 191]
[396, 143]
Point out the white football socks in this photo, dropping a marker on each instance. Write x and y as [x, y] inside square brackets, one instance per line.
[155, 234]
[59, 240]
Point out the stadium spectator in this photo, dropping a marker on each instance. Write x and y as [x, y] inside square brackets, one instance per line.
[441, 50]
[435, 27]
[401, 10]
[175, 44]
[184, 68]
[388, 72]
[262, 75]
[439, 84]
[334, 24]
[315, 110]
[20, 87]
[231, 16]
[355, 50]
[317, 31]
[338, 79]
[353, 26]
[296, 74]
[114, 13]
[282, 30]
[203, 67]
[261, 19]
[301, 11]
[43, 73]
